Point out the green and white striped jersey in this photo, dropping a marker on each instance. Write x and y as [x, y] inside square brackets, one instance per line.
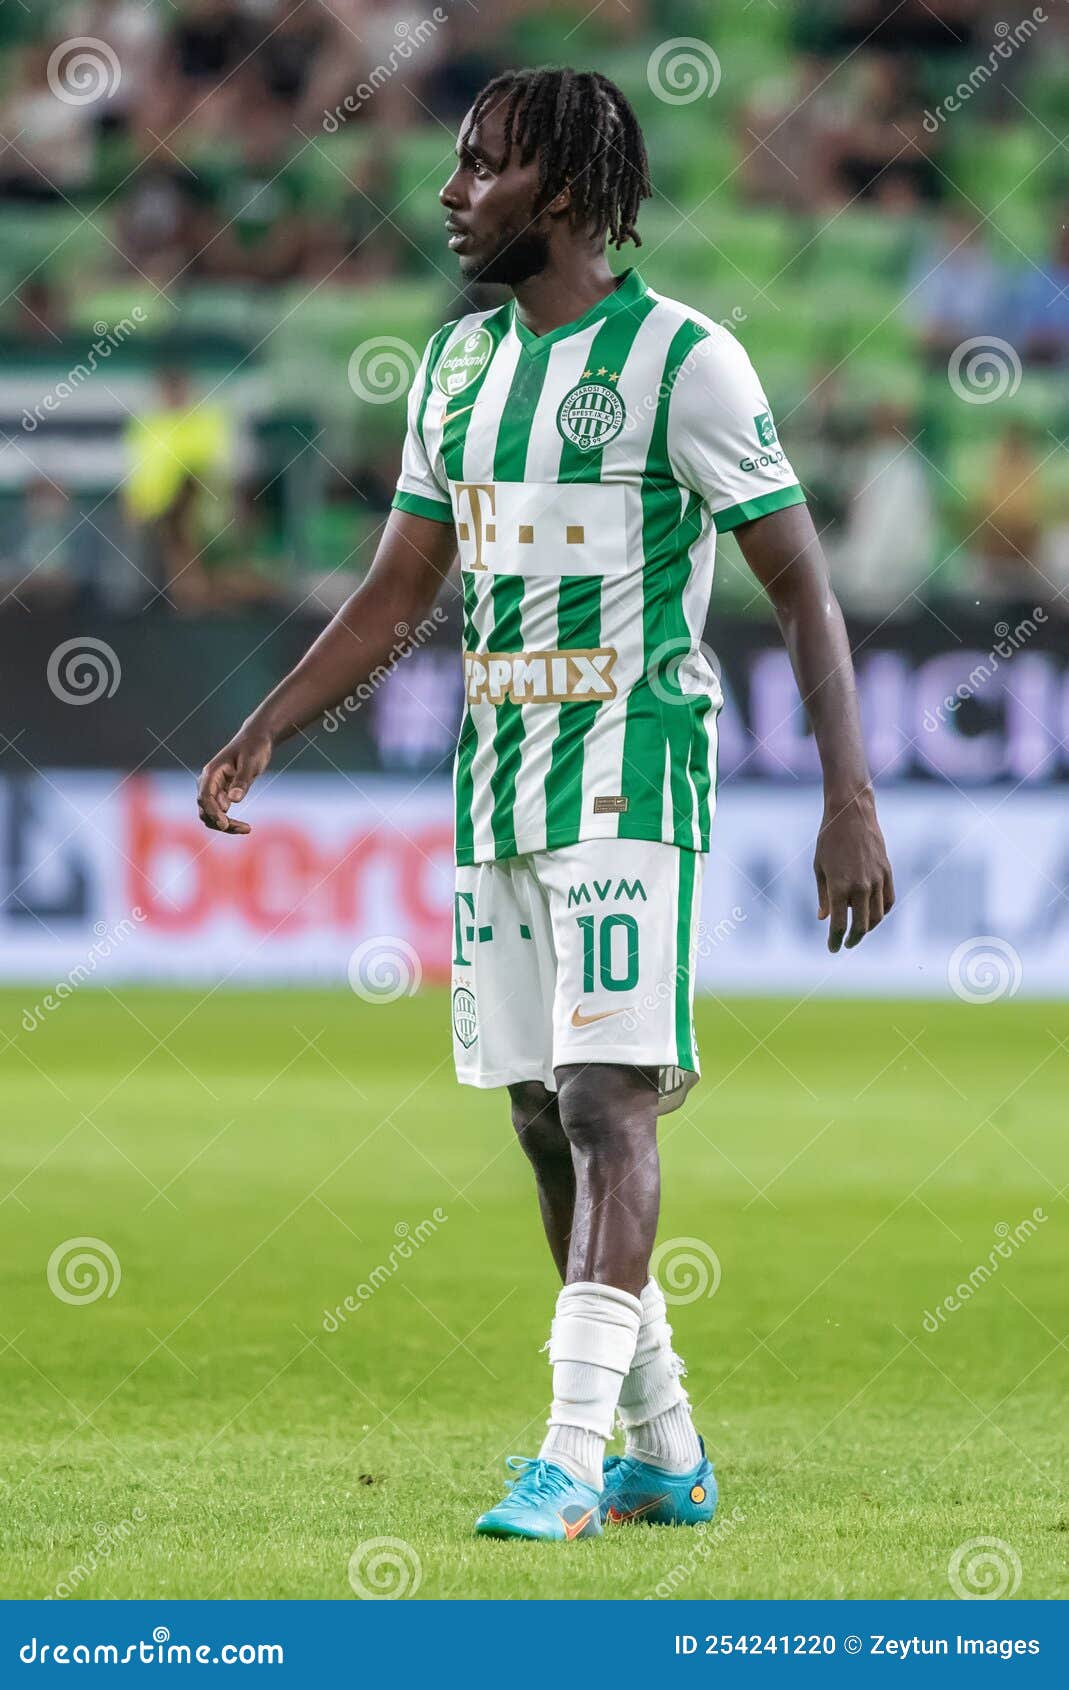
[587, 472]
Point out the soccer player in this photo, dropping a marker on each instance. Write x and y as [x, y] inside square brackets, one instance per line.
[581, 447]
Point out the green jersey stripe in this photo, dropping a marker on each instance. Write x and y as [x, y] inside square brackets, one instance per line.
[579, 601]
[688, 710]
[510, 459]
[657, 714]
[736, 515]
[434, 351]
[416, 505]
[467, 744]
[684, 925]
[456, 417]
[564, 365]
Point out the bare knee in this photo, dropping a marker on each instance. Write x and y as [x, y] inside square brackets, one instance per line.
[537, 1123]
[606, 1110]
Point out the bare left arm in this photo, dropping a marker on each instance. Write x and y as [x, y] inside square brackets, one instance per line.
[851, 866]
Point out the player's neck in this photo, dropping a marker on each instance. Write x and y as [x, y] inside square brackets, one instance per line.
[564, 291]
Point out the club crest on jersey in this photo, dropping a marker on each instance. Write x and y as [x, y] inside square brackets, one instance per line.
[462, 362]
[591, 415]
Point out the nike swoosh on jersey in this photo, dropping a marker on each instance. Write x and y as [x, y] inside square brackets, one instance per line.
[581, 1020]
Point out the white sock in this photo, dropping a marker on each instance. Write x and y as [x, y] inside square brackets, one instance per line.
[654, 1407]
[591, 1345]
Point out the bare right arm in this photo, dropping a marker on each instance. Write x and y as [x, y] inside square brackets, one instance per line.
[413, 559]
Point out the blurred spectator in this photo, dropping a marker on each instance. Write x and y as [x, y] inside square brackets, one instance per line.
[788, 134]
[256, 204]
[885, 550]
[884, 130]
[297, 37]
[1040, 326]
[38, 313]
[163, 226]
[237, 568]
[957, 289]
[41, 569]
[1006, 511]
[46, 144]
[178, 450]
[132, 31]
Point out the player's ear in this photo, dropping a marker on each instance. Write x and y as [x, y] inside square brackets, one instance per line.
[561, 204]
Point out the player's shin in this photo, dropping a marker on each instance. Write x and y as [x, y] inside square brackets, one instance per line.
[590, 1348]
[653, 1406]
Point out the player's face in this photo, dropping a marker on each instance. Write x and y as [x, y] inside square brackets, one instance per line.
[495, 226]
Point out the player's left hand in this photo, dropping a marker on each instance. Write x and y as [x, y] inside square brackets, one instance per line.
[854, 882]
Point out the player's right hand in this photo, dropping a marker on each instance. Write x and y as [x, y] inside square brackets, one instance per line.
[228, 777]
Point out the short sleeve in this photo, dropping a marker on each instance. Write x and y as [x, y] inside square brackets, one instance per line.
[418, 489]
[722, 441]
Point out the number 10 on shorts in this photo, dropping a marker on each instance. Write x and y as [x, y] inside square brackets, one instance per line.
[610, 952]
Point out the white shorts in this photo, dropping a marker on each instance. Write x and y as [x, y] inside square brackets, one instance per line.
[578, 955]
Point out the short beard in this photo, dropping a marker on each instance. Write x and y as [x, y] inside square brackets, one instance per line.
[517, 259]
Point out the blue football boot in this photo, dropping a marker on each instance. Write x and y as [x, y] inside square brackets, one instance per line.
[543, 1501]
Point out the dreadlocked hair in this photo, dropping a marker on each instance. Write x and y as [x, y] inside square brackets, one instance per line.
[587, 138]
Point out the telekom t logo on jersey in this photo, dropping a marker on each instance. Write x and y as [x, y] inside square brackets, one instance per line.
[473, 493]
[477, 522]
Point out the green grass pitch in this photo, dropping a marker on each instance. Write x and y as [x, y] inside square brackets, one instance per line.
[253, 1159]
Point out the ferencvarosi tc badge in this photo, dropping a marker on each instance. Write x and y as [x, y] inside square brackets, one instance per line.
[591, 415]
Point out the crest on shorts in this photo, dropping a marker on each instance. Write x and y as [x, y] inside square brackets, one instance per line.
[591, 415]
[462, 362]
[465, 1024]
